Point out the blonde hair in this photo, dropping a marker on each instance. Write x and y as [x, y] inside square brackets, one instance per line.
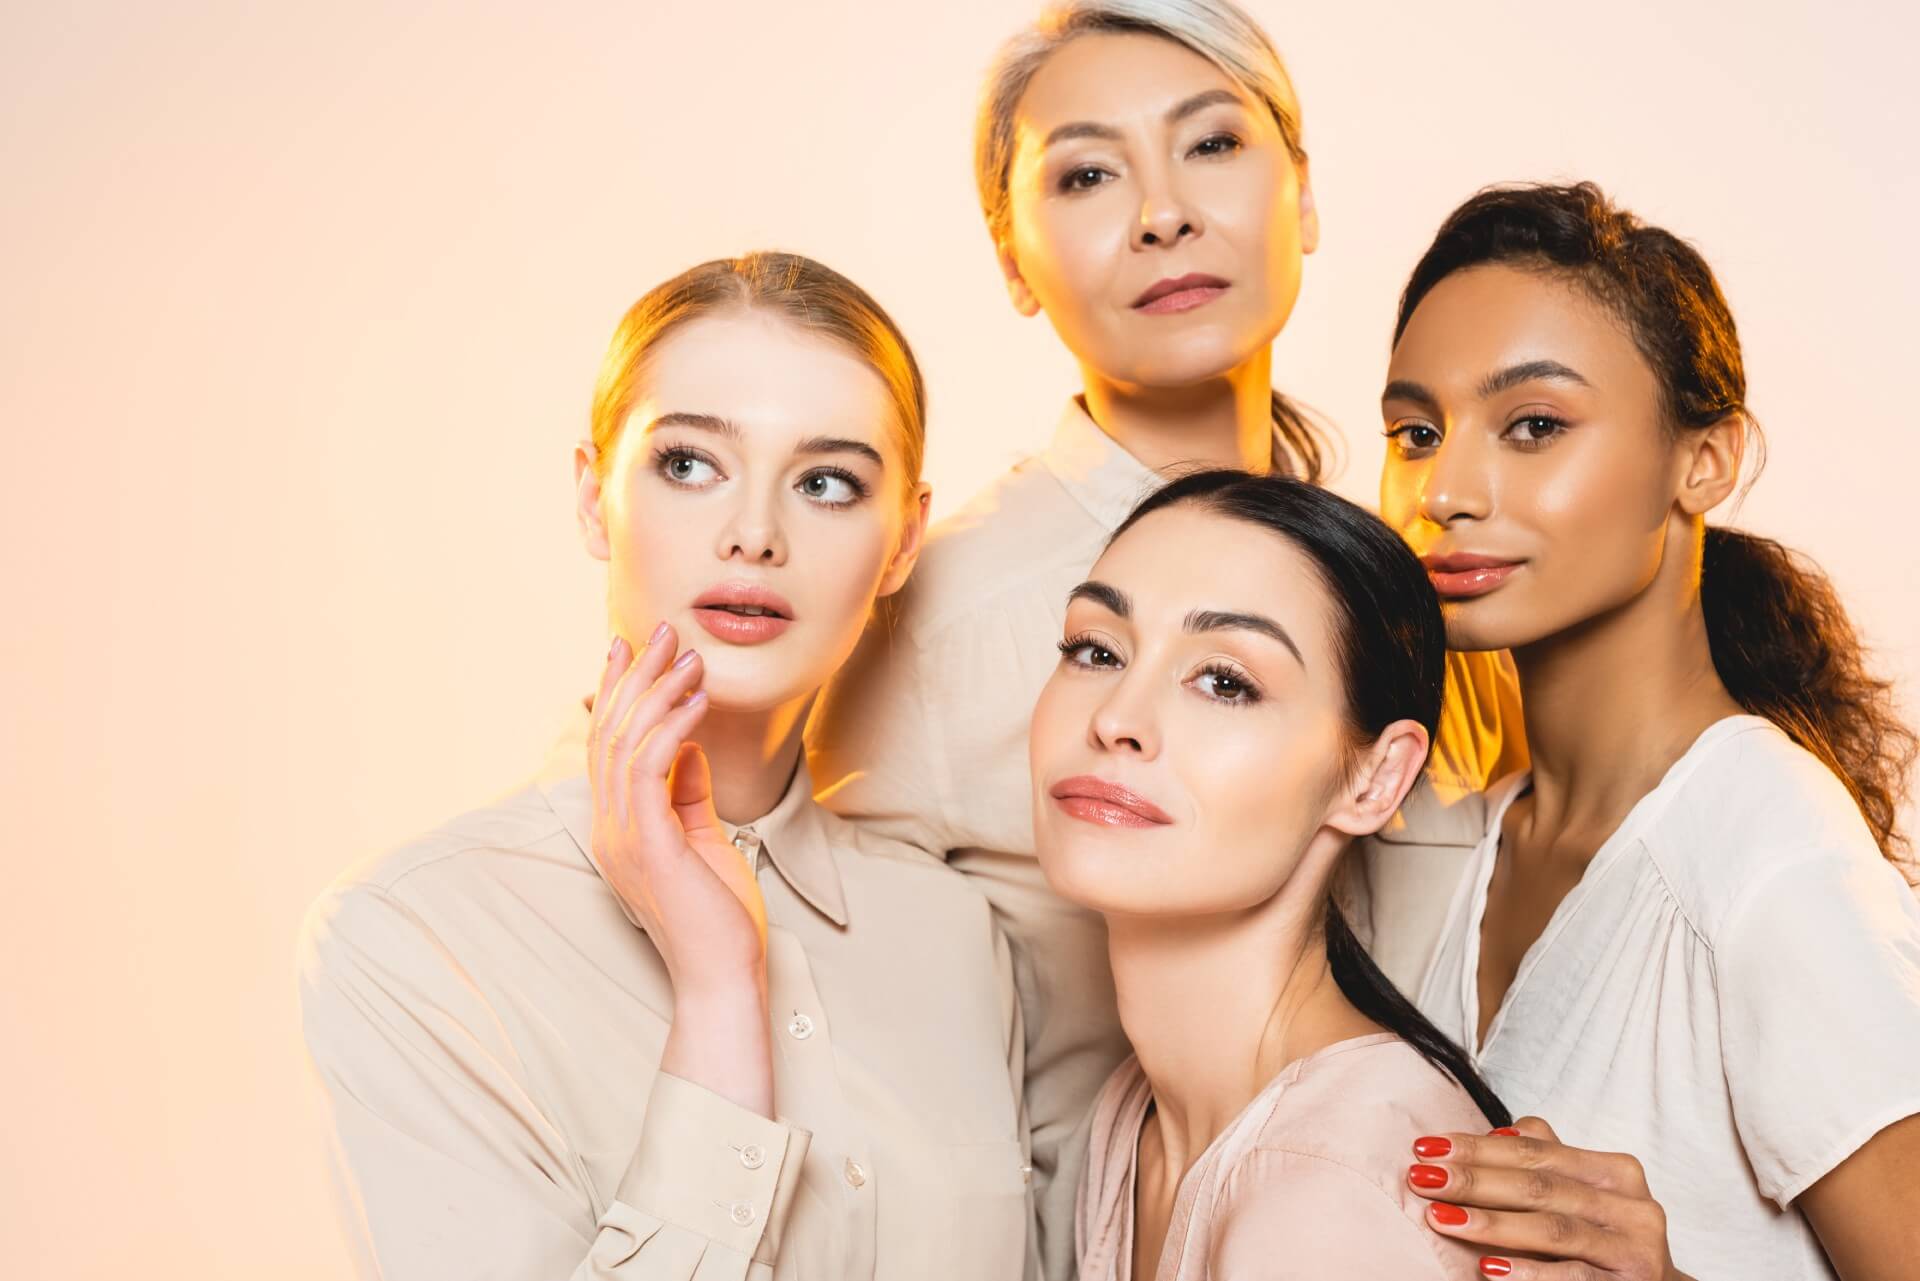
[807, 294]
[1218, 31]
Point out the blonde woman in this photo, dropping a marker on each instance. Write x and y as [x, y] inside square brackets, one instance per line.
[659, 1015]
[1142, 171]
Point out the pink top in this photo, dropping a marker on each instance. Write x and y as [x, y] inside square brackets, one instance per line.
[1308, 1181]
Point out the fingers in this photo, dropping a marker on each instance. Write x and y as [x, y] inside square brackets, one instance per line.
[690, 789]
[1507, 1233]
[1534, 1127]
[627, 676]
[1519, 1269]
[1517, 1149]
[1534, 1188]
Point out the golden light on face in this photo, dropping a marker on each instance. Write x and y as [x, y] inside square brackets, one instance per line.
[757, 501]
[1528, 462]
[1157, 216]
[1188, 744]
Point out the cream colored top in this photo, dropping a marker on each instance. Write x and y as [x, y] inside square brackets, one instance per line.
[487, 1026]
[1731, 993]
[924, 736]
[1309, 1181]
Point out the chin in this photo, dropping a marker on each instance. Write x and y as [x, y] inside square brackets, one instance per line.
[755, 682]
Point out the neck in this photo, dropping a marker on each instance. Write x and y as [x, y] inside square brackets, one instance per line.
[1613, 702]
[752, 756]
[1222, 422]
[1216, 1006]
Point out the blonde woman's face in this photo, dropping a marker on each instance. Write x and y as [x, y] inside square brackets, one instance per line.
[757, 500]
[1157, 216]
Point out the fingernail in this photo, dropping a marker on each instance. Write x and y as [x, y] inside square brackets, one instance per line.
[1506, 1132]
[1493, 1267]
[613, 650]
[686, 658]
[1451, 1215]
[698, 697]
[1427, 1176]
[658, 632]
[1431, 1147]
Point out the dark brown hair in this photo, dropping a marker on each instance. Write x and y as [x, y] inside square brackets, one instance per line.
[1780, 638]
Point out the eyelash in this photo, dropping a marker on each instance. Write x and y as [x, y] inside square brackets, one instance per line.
[1558, 427]
[853, 482]
[666, 457]
[1223, 671]
[1068, 185]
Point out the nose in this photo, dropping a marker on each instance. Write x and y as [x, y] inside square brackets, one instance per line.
[1457, 485]
[1124, 721]
[1165, 216]
[753, 532]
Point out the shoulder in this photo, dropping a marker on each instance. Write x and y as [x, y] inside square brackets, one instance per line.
[1749, 806]
[1362, 1103]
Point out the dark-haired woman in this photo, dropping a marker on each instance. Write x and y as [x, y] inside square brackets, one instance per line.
[1248, 680]
[1682, 935]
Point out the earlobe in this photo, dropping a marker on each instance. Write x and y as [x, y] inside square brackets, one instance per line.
[1023, 300]
[1387, 772]
[586, 497]
[1713, 468]
[913, 537]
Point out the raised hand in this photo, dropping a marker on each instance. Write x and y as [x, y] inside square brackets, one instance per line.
[1519, 1192]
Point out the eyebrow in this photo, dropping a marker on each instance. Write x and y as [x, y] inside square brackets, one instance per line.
[1492, 385]
[811, 445]
[1180, 111]
[1199, 621]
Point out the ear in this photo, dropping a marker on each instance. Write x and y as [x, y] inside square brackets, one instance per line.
[1385, 774]
[1023, 300]
[1712, 465]
[586, 501]
[1309, 214]
[913, 536]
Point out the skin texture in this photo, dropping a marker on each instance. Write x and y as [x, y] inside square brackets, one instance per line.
[1096, 220]
[679, 738]
[1604, 511]
[1213, 918]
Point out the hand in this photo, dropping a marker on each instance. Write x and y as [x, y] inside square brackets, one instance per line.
[1545, 1211]
[656, 837]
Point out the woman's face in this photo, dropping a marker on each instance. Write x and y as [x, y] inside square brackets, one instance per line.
[756, 499]
[1528, 461]
[1156, 214]
[1193, 738]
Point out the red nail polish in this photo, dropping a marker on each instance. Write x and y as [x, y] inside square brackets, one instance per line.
[1427, 1176]
[1494, 1267]
[1451, 1215]
[1432, 1148]
[1506, 1132]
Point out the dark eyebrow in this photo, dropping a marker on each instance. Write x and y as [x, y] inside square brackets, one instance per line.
[1105, 594]
[1181, 110]
[1513, 375]
[701, 422]
[840, 445]
[1407, 389]
[1215, 620]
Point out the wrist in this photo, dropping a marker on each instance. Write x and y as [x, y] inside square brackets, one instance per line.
[722, 1041]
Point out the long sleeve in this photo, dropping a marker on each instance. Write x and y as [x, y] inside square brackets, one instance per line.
[446, 1164]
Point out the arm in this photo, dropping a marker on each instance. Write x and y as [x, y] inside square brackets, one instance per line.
[1864, 1209]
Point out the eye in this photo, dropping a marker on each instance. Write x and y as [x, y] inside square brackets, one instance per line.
[1086, 652]
[687, 467]
[1083, 178]
[1226, 684]
[1218, 144]
[1535, 431]
[1410, 438]
[832, 487]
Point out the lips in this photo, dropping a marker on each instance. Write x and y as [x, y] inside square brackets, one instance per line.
[1180, 293]
[1095, 800]
[1459, 575]
[742, 613]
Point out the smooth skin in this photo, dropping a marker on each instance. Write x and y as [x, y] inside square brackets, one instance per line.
[1525, 425]
[1137, 160]
[1241, 739]
[757, 453]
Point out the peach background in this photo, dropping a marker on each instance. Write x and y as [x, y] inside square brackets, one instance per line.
[299, 312]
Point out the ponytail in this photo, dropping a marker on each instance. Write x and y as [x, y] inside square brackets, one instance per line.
[1785, 650]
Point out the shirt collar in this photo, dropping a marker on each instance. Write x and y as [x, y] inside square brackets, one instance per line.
[793, 835]
[1106, 480]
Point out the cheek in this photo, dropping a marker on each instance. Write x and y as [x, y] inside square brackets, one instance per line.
[1257, 790]
[649, 543]
[835, 559]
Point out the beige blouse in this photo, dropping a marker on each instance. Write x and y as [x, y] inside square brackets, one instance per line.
[924, 736]
[487, 1026]
[1309, 1181]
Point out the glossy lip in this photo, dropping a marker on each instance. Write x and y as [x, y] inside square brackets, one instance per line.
[1094, 800]
[709, 610]
[1461, 575]
[1180, 293]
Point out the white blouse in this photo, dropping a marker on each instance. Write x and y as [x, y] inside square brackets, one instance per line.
[1731, 993]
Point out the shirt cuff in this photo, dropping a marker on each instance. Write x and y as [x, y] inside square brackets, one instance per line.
[714, 1168]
